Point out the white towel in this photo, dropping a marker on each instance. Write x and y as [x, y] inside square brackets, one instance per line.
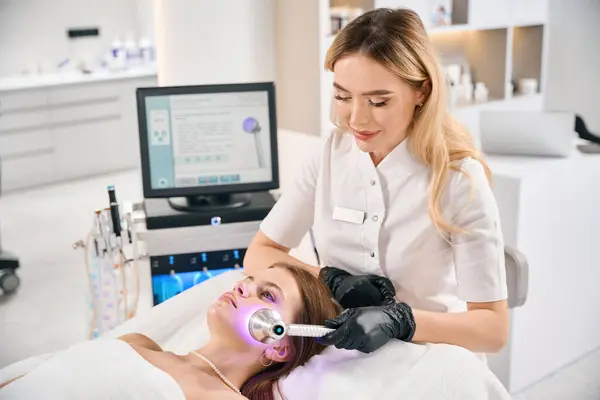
[102, 369]
[398, 370]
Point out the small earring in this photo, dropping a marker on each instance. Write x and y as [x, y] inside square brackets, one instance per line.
[264, 364]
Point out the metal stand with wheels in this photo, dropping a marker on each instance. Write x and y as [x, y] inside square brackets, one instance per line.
[9, 281]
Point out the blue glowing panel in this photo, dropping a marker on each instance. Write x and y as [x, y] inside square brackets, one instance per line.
[168, 285]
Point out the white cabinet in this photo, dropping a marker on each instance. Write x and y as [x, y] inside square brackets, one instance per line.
[18, 144]
[480, 14]
[87, 148]
[422, 8]
[89, 92]
[485, 14]
[23, 119]
[529, 12]
[27, 171]
[68, 131]
[18, 100]
[99, 109]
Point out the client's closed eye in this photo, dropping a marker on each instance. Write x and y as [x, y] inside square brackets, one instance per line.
[341, 98]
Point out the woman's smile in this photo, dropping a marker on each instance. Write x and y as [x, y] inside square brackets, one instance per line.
[365, 135]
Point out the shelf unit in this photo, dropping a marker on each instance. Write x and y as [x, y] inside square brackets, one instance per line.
[502, 41]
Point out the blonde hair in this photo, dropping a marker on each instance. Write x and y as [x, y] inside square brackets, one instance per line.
[396, 38]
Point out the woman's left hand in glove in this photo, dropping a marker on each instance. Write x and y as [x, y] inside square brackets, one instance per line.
[352, 291]
[366, 329]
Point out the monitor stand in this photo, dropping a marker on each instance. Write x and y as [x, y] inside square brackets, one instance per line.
[212, 202]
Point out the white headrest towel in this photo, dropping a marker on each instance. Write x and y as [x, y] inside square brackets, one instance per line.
[398, 370]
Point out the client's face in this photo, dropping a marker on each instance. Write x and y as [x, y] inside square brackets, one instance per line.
[273, 288]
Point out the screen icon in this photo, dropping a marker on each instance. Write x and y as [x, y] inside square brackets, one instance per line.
[252, 126]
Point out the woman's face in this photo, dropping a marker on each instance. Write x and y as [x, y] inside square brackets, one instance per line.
[273, 288]
[373, 103]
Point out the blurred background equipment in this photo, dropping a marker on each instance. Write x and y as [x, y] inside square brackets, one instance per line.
[9, 280]
[528, 133]
[112, 275]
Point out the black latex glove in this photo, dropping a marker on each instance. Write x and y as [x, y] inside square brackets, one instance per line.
[352, 291]
[367, 329]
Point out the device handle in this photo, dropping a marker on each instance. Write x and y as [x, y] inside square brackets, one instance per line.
[114, 211]
[307, 330]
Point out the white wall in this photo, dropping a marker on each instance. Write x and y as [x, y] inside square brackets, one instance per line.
[34, 31]
[297, 44]
[573, 68]
[208, 41]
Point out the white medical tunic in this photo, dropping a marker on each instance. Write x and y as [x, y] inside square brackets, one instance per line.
[375, 220]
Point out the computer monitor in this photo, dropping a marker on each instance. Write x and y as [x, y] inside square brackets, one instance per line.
[207, 146]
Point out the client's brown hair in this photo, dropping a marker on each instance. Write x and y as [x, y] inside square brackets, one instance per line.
[317, 306]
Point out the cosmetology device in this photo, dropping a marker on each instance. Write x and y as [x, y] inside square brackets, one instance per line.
[112, 276]
[208, 147]
[267, 326]
[209, 159]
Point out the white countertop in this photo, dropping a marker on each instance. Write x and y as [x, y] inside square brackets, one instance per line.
[24, 82]
[577, 164]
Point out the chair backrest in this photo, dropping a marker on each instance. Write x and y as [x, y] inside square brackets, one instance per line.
[517, 276]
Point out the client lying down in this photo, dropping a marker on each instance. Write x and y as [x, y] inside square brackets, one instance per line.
[231, 365]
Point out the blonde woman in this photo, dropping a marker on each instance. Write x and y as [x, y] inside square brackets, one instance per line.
[399, 201]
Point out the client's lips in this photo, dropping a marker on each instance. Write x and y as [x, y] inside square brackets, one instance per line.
[229, 297]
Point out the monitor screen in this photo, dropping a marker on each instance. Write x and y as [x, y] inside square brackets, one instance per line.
[208, 139]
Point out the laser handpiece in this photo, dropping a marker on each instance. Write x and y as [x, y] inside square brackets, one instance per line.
[267, 326]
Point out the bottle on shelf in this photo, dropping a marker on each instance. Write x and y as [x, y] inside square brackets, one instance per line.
[467, 88]
[118, 57]
[146, 51]
[481, 92]
[131, 50]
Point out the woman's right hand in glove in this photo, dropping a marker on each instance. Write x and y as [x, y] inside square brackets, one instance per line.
[353, 291]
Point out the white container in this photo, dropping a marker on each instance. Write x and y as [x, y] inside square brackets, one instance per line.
[453, 71]
[118, 50]
[467, 88]
[527, 86]
[146, 51]
[480, 93]
[131, 50]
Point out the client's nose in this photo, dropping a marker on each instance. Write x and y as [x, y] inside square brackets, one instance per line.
[242, 290]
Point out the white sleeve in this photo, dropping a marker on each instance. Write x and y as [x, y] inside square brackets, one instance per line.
[479, 250]
[293, 214]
